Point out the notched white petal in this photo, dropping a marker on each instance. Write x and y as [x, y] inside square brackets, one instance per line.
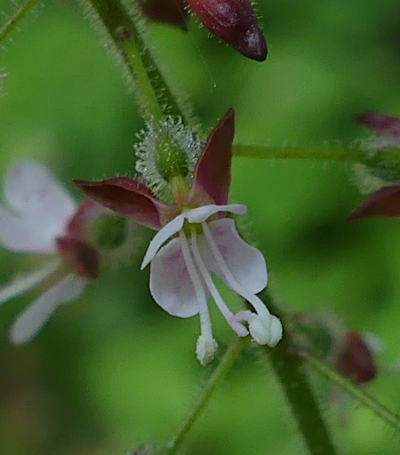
[17, 235]
[170, 283]
[245, 262]
[33, 192]
[32, 319]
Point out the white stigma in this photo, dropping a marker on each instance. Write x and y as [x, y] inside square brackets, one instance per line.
[206, 348]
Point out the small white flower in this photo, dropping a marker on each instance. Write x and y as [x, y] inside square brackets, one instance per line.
[181, 275]
[195, 240]
[37, 215]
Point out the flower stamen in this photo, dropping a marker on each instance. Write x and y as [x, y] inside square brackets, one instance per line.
[239, 328]
[264, 327]
[206, 344]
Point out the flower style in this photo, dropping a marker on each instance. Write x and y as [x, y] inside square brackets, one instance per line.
[195, 238]
[385, 201]
[42, 219]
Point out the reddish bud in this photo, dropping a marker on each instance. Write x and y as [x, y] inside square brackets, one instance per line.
[384, 202]
[382, 124]
[355, 360]
[170, 11]
[234, 21]
[80, 256]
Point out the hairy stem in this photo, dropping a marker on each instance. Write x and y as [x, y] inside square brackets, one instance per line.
[125, 36]
[215, 380]
[360, 395]
[316, 153]
[22, 11]
[289, 370]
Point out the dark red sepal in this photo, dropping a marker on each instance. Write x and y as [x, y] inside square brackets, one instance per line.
[355, 360]
[80, 256]
[212, 174]
[129, 198]
[234, 21]
[385, 202]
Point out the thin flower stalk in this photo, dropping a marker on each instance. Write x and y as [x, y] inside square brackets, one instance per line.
[125, 34]
[14, 21]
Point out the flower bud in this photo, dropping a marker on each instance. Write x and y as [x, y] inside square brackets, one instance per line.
[355, 359]
[234, 21]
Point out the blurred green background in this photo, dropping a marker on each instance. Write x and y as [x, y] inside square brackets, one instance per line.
[113, 370]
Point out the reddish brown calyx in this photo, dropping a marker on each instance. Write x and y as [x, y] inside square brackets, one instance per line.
[80, 256]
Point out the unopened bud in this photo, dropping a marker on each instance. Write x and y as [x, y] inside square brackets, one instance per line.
[234, 21]
[355, 359]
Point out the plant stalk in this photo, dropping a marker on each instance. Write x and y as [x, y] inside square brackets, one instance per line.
[290, 373]
[316, 153]
[22, 11]
[354, 391]
[215, 380]
[125, 31]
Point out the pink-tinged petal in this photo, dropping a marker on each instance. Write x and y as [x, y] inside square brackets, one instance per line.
[234, 21]
[246, 263]
[33, 318]
[385, 202]
[355, 359]
[17, 234]
[212, 175]
[23, 283]
[35, 195]
[169, 11]
[83, 258]
[161, 237]
[170, 284]
[196, 215]
[80, 224]
[200, 214]
[129, 198]
[383, 124]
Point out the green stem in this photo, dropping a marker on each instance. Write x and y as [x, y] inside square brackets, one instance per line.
[314, 153]
[16, 18]
[215, 380]
[289, 370]
[356, 392]
[124, 32]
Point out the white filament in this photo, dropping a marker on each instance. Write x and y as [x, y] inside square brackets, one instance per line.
[239, 328]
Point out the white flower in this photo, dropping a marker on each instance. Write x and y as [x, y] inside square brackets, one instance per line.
[200, 242]
[37, 215]
[181, 281]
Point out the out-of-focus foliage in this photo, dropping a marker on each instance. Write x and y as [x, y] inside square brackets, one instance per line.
[113, 370]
